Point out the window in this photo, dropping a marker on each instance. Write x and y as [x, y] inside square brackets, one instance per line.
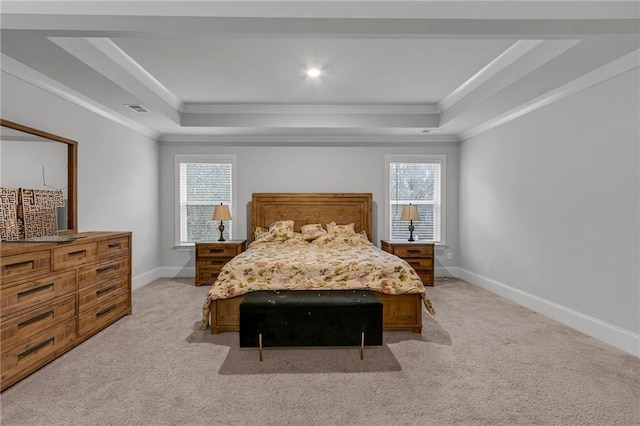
[417, 180]
[201, 183]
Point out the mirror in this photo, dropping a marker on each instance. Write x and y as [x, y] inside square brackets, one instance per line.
[35, 159]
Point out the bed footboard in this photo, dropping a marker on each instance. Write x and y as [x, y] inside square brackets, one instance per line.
[401, 312]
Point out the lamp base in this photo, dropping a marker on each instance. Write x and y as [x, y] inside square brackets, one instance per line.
[221, 229]
[411, 228]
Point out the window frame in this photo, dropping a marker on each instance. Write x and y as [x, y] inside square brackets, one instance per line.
[417, 158]
[202, 158]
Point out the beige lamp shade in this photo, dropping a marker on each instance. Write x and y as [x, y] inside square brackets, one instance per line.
[410, 212]
[221, 212]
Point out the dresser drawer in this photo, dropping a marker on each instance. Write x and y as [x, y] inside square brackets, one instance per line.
[19, 266]
[32, 292]
[26, 357]
[419, 263]
[26, 325]
[113, 248]
[104, 313]
[217, 250]
[97, 294]
[106, 270]
[417, 251]
[74, 255]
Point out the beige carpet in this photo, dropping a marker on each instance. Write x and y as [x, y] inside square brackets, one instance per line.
[483, 360]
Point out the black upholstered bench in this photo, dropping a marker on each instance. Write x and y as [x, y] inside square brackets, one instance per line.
[310, 318]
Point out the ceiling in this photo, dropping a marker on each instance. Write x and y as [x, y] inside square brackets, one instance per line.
[408, 71]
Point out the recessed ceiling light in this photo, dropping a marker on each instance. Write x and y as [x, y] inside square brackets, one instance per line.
[313, 72]
[425, 131]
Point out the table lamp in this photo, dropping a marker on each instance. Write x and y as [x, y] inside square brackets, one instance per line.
[221, 213]
[410, 213]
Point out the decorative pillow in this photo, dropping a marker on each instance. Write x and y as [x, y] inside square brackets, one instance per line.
[312, 231]
[278, 231]
[348, 229]
[259, 232]
[281, 228]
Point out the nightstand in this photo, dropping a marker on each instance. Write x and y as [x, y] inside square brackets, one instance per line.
[211, 256]
[417, 254]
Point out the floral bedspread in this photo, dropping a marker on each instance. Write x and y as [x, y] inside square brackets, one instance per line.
[330, 262]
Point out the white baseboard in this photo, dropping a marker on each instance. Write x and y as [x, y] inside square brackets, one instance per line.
[145, 278]
[161, 272]
[444, 271]
[177, 271]
[625, 340]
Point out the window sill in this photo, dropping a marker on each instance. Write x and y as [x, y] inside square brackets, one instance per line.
[437, 245]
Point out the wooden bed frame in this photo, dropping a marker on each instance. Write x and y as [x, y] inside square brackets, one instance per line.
[400, 312]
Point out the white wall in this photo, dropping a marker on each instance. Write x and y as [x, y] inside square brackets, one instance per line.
[300, 169]
[549, 210]
[118, 179]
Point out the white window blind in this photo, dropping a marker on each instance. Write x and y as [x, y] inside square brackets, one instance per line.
[418, 183]
[202, 185]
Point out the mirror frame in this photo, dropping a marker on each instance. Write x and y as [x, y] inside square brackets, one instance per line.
[72, 171]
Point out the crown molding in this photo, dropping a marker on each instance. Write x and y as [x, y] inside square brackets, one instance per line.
[230, 108]
[305, 140]
[501, 62]
[536, 56]
[37, 79]
[597, 76]
[296, 121]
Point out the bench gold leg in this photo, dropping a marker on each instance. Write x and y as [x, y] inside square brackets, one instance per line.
[362, 346]
[260, 345]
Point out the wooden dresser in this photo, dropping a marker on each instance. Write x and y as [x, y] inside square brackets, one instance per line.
[417, 254]
[55, 295]
[211, 256]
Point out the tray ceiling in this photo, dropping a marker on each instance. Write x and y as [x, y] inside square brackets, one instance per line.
[412, 71]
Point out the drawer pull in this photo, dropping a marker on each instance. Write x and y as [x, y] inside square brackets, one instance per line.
[106, 268]
[106, 289]
[217, 262]
[105, 311]
[114, 245]
[78, 253]
[216, 250]
[35, 319]
[413, 251]
[35, 290]
[19, 265]
[36, 347]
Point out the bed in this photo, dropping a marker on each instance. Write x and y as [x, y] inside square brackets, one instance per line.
[281, 259]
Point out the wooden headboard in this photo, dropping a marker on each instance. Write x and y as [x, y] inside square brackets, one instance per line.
[304, 208]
